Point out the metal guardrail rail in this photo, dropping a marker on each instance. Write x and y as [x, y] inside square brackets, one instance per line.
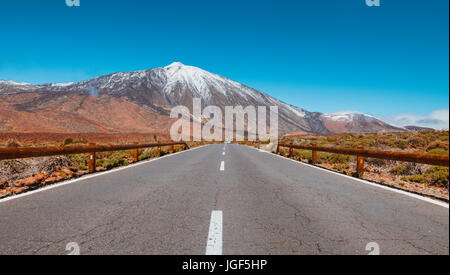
[361, 153]
[91, 149]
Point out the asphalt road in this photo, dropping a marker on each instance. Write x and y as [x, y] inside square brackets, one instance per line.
[192, 203]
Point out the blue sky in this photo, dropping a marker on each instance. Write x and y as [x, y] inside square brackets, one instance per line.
[321, 55]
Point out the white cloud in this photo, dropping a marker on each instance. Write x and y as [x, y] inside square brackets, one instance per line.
[438, 119]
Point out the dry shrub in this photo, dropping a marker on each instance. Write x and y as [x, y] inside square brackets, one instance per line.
[405, 169]
[437, 145]
[12, 143]
[417, 142]
[378, 162]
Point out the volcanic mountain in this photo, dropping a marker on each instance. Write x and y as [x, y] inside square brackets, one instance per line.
[141, 102]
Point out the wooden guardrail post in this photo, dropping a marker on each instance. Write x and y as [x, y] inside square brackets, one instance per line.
[159, 149]
[278, 149]
[314, 154]
[91, 160]
[291, 150]
[135, 153]
[360, 163]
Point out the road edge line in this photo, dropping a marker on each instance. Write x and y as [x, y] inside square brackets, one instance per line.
[63, 183]
[409, 194]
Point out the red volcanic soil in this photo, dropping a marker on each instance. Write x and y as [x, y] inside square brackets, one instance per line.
[79, 114]
[338, 127]
[102, 119]
[297, 134]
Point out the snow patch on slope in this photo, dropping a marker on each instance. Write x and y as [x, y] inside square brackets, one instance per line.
[62, 84]
[13, 87]
[347, 116]
[295, 110]
[10, 82]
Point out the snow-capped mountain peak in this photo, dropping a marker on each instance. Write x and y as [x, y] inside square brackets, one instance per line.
[204, 84]
[175, 65]
[161, 89]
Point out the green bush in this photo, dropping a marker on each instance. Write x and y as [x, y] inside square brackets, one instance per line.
[149, 154]
[439, 175]
[417, 141]
[125, 154]
[67, 141]
[341, 167]
[435, 176]
[101, 162]
[337, 158]
[77, 158]
[399, 170]
[437, 145]
[416, 178]
[438, 152]
[81, 141]
[306, 154]
[332, 139]
[12, 144]
[112, 163]
[63, 175]
[402, 144]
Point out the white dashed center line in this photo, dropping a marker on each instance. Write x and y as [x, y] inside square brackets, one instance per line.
[222, 166]
[214, 245]
[223, 154]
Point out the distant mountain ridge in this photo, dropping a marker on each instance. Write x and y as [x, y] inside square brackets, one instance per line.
[141, 101]
[418, 128]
